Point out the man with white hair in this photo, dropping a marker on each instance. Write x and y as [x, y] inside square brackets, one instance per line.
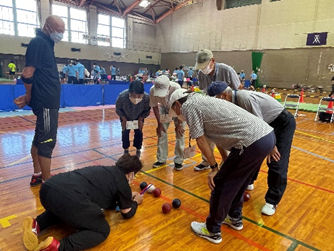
[41, 80]
[159, 96]
[210, 71]
[230, 127]
[271, 111]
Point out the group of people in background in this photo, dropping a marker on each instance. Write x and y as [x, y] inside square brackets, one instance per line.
[76, 73]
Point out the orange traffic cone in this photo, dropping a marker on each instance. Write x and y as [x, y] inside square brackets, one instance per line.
[301, 99]
[330, 107]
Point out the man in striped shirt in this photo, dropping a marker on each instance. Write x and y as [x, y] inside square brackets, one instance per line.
[209, 71]
[284, 124]
[249, 140]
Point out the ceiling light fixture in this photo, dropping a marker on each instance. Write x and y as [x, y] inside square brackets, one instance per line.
[144, 3]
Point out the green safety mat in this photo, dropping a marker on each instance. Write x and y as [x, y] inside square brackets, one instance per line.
[308, 107]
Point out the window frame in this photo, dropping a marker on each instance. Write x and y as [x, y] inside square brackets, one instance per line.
[14, 9]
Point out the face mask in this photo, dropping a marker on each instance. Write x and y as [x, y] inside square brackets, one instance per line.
[135, 100]
[207, 69]
[56, 36]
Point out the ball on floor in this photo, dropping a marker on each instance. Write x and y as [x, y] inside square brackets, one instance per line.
[166, 207]
[246, 196]
[142, 185]
[156, 192]
[151, 189]
[176, 203]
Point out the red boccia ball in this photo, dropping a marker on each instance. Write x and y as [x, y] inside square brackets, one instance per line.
[166, 207]
[246, 196]
[156, 192]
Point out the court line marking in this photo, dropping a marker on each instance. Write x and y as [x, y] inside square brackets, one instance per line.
[314, 136]
[116, 154]
[244, 217]
[79, 151]
[312, 153]
[181, 189]
[224, 229]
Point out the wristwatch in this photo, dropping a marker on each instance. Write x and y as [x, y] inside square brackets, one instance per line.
[214, 166]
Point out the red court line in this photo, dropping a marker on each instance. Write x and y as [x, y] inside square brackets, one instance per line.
[306, 184]
[226, 230]
[203, 218]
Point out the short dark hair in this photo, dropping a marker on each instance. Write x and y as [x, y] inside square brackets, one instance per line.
[136, 87]
[181, 67]
[332, 78]
[128, 163]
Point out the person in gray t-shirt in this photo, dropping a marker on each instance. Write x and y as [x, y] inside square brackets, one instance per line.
[230, 127]
[272, 112]
[209, 71]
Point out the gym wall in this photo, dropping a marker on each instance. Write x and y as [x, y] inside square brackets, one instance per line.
[277, 28]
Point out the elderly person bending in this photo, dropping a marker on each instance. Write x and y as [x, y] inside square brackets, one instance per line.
[248, 138]
[284, 124]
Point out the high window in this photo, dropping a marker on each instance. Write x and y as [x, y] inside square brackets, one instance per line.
[18, 17]
[75, 23]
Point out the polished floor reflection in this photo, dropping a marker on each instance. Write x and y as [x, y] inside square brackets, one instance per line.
[303, 220]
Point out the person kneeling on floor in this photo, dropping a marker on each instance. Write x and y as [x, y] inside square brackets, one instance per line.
[77, 198]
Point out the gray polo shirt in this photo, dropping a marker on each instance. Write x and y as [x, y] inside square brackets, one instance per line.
[222, 122]
[223, 72]
[260, 104]
[124, 107]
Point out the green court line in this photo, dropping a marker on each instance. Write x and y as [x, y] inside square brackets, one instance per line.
[297, 242]
[293, 246]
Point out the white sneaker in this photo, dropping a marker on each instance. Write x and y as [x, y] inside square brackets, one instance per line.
[250, 187]
[234, 223]
[268, 209]
[200, 229]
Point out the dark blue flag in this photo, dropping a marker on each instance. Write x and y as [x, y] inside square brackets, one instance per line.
[316, 38]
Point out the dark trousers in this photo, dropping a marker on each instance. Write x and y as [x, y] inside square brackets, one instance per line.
[76, 211]
[72, 80]
[284, 126]
[81, 81]
[253, 82]
[232, 179]
[137, 141]
[45, 131]
[113, 77]
[180, 83]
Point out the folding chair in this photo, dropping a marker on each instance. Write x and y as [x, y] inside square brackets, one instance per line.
[325, 109]
[292, 106]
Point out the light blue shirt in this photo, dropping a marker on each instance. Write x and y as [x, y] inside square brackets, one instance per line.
[254, 76]
[81, 70]
[113, 70]
[72, 70]
[65, 69]
[103, 71]
[190, 73]
[242, 75]
[180, 75]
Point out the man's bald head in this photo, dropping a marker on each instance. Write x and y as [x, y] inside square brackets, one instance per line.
[54, 24]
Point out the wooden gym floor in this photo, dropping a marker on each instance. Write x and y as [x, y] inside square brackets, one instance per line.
[303, 221]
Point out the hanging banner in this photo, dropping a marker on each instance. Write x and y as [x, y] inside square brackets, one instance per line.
[315, 39]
